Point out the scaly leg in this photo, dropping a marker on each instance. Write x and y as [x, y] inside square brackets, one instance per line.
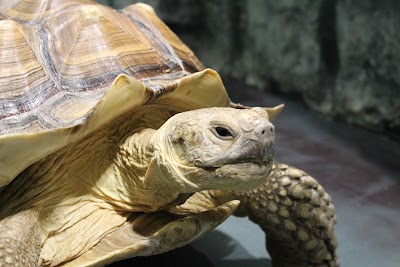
[296, 215]
[20, 240]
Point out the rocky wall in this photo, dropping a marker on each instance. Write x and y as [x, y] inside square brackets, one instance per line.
[341, 56]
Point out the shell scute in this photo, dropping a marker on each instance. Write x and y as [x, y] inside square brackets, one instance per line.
[72, 51]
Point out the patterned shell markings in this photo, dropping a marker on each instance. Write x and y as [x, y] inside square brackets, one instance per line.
[58, 60]
[59, 57]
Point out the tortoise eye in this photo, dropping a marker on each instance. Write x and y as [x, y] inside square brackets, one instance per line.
[223, 133]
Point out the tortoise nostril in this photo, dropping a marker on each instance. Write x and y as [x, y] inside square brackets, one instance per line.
[264, 131]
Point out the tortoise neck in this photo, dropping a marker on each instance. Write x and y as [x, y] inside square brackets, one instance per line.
[138, 150]
[123, 181]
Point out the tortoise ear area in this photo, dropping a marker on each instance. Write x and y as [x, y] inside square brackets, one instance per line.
[274, 112]
[178, 142]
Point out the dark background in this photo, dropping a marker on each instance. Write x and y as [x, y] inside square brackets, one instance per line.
[338, 56]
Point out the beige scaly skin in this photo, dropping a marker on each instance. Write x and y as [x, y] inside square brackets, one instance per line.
[292, 209]
[89, 188]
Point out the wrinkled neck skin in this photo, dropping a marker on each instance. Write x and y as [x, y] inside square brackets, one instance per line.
[116, 168]
[140, 177]
[169, 168]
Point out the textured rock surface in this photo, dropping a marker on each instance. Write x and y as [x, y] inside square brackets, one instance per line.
[341, 56]
[367, 90]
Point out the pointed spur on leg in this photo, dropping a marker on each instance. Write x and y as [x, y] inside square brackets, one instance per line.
[296, 215]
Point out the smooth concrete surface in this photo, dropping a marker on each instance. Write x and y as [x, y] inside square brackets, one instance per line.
[360, 169]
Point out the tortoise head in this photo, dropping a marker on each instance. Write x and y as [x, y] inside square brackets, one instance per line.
[219, 148]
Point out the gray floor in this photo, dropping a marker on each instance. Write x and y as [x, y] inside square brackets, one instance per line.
[360, 169]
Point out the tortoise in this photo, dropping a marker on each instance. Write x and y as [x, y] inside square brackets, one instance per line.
[117, 142]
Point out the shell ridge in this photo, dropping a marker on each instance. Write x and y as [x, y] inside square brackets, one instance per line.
[155, 36]
[29, 99]
[45, 53]
[69, 53]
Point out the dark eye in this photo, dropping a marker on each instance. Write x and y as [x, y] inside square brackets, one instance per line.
[223, 133]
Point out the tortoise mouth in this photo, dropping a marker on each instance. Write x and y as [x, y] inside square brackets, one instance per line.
[251, 157]
[237, 176]
[239, 166]
[247, 166]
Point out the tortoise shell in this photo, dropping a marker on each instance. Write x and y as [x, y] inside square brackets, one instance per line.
[68, 67]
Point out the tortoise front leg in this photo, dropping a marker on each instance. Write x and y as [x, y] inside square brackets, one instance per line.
[296, 215]
[20, 239]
